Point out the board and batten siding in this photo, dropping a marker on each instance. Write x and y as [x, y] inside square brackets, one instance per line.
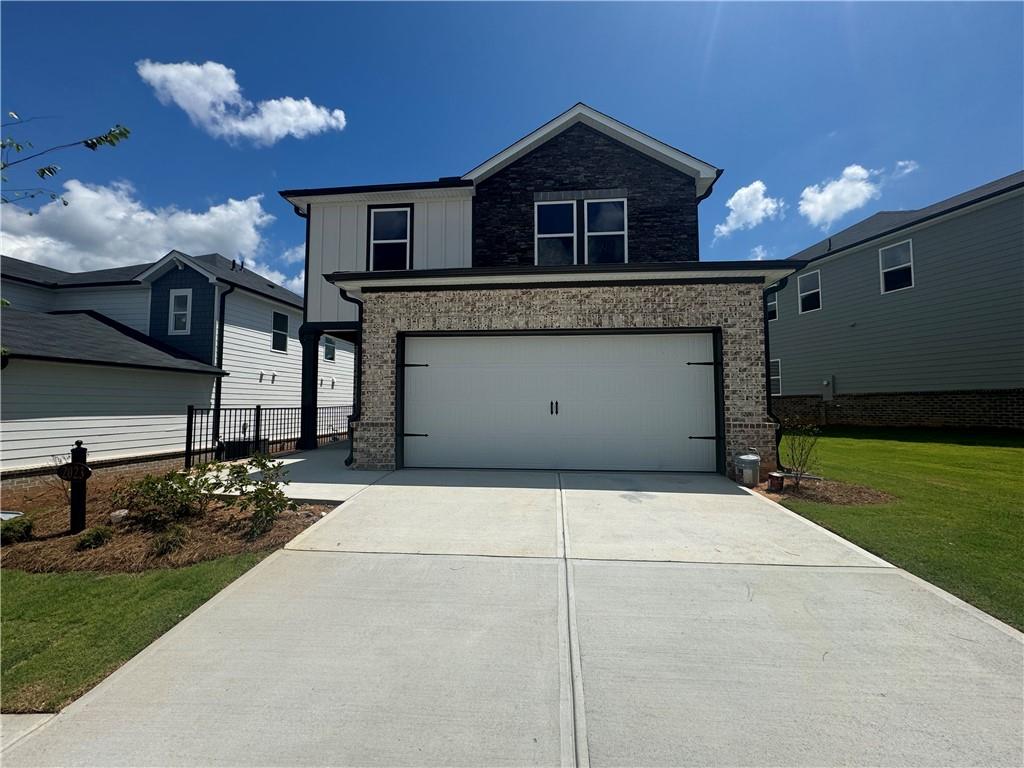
[126, 305]
[117, 412]
[959, 328]
[261, 375]
[442, 238]
[30, 298]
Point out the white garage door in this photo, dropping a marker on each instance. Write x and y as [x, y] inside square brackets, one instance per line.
[632, 402]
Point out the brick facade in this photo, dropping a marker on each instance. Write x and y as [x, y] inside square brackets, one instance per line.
[735, 308]
[973, 409]
[661, 202]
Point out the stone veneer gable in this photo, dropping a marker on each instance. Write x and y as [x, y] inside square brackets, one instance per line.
[734, 307]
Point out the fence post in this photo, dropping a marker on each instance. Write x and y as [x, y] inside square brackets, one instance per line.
[256, 429]
[190, 419]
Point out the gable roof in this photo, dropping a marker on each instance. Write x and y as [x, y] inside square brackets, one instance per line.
[213, 265]
[87, 337]
[886, 223]
[705, 174]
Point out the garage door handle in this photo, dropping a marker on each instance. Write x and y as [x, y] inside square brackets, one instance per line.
[551, 407]
[556, 407]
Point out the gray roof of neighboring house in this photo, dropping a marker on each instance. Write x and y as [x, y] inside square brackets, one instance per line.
[221, 268]
[888, 222]
[88, 337]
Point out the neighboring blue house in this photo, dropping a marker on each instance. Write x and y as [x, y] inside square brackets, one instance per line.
[114, 357]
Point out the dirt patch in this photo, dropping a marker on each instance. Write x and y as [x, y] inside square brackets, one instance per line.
[830, 492]
[222, 531]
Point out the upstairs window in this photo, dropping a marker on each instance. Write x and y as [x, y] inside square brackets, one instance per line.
[775, 376]
[606, 232]
[896, 266]
[179, 313]
[279, 340]
[772, 306]
[809, 288]
[329, 348]
[390, 241]
[555, 226]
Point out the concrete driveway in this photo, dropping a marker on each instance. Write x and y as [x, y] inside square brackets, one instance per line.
[543, 618]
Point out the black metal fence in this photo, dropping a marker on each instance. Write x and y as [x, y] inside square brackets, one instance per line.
[237, 433]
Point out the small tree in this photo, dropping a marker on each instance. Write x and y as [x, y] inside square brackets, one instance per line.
[800, 450]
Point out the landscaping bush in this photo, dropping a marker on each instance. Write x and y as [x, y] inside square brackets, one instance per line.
[94, 537]
[158, 502]
[169, 540]
[800, 450]
[15, 530]
[262, 499]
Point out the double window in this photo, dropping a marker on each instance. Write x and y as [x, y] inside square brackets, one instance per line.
[329, 348]
[390, 238]
[179, 312]
[809, 288]
[896, 266]
[279, 336]
[604, 239]
[775, 376]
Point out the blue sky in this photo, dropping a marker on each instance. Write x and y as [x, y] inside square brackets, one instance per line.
[786, 98]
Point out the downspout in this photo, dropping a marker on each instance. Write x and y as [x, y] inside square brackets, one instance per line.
[357, 379]
[220, 364]
[768, 369]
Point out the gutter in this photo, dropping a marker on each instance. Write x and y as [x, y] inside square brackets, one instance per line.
[768, 371]
[220, 362]
[357, 379]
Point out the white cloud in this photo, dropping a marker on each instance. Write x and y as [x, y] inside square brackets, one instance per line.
[105, 227]
[905, 167]
[748, 207]
[295, 255]
[822, 204]
[212, 98]
[759, 252]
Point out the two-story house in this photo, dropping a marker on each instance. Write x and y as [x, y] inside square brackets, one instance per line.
[908, 318]
[114, 357]
[547, 309]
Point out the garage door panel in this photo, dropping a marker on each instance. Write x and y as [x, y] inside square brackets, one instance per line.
[624, 402]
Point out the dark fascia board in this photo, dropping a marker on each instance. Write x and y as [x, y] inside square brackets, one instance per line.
[110, 364]
[911, 223]
[399, 187]
[577, 269]
[62, 286]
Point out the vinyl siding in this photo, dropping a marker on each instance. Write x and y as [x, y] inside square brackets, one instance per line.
[959, 327]
[442, 238]
[125, 305]
[30, 298]
[116, 412]
[248, 354]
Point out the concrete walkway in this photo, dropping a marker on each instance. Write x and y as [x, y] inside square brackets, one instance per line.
[543, 618]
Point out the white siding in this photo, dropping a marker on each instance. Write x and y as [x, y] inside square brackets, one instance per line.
[30, 298]
[442, 238]
[260, 375]
[116, 412]
[128, 305]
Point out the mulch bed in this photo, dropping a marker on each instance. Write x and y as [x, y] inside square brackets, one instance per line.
[830, 492]
[222, 531]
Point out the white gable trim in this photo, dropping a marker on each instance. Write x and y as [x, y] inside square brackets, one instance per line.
[174, 258]
[704, 173]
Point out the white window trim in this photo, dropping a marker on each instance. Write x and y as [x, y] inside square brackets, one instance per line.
[774, 378]
[801, 293]
[334, 359]
[187, 292]
[773, 300]
[881, 271]
[537, 236]
[408, 232]
[273, 332]
[624, 231]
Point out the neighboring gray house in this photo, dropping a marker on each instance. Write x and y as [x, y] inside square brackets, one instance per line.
[546, 309]
[908, 318]
[114, 357]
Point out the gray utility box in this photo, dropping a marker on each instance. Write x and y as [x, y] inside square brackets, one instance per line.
[748, 468]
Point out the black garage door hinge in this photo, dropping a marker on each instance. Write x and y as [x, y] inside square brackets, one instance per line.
[415, 365]
[703, 437]
[711, 363]
[415, 434]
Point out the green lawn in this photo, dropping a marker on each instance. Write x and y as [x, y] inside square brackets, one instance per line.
[64, 632]
[959, 518]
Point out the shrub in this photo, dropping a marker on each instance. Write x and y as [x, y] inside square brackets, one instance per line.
[94, 537]
[169, 540]
[800, 450]
[261, 499]
[158, 502]
[15, 530]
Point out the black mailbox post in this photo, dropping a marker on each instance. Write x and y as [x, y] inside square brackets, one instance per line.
[76, 473]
